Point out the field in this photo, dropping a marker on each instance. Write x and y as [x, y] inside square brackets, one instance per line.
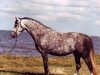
[30, 63]
[22, 65]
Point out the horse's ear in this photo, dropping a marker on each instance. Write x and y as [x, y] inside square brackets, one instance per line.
[18, 19]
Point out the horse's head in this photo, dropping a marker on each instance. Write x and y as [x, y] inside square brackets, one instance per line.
[18, 28]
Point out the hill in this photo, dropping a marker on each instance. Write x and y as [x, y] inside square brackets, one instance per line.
[25, 44]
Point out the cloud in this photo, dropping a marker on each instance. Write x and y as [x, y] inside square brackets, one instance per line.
[69, 15]
[66, 14]
[61, 2]
[50, 2]
[45, 17]
[98, 22]
[44, 7]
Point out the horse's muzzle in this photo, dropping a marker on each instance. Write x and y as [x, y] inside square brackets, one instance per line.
[13, 34]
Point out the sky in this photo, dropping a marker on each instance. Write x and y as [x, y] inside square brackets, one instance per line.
[61, 15]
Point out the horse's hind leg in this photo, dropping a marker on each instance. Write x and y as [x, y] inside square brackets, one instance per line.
[89, 63]
[77, 61]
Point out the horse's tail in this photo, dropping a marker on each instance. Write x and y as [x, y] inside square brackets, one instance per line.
[93, 61]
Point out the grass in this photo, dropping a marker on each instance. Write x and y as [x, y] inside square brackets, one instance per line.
[20, 65]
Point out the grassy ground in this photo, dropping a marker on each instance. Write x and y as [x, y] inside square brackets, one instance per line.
[21, 65]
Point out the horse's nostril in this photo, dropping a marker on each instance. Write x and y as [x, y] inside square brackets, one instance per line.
[13, 35]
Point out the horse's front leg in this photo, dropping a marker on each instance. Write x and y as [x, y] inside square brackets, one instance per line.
[45, 62]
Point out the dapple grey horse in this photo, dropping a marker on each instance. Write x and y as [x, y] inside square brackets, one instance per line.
[48, 41]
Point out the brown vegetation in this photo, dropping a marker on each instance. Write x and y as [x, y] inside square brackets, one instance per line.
[22, 65]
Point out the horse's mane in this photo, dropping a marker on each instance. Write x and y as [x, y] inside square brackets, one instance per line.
[35, 21]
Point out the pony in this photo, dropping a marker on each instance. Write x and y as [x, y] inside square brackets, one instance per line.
[49, 41]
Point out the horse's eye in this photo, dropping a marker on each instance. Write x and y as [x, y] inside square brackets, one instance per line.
[15, 25]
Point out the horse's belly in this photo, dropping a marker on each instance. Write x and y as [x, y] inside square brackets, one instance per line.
[60, 51]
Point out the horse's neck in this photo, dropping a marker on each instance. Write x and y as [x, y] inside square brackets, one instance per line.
[37, 31]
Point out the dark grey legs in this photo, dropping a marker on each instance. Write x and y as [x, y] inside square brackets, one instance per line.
[45, 62]
[88, 61]
[77, 61]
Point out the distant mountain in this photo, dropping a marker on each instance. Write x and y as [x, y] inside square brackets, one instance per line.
[96, 43]
[25, 44]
